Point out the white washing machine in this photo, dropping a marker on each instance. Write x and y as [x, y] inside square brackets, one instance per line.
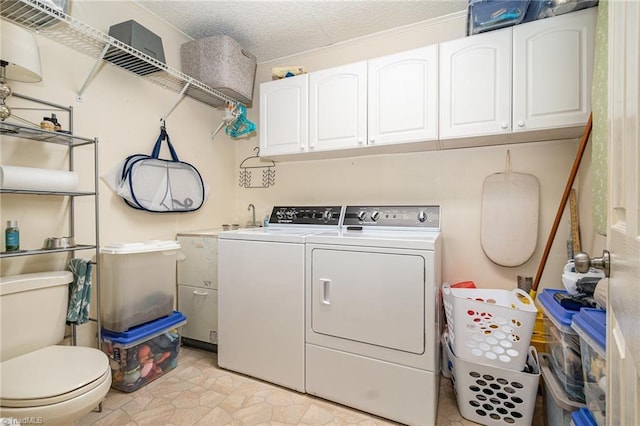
[261, 274]
[373, 312]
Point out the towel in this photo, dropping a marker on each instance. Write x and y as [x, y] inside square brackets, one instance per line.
[79, 291]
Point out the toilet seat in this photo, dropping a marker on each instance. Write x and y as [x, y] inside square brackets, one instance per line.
[71, 371]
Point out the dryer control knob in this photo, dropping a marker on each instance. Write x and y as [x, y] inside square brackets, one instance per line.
[327, 215]
[375, 215]
[362, 215]
[422, 216]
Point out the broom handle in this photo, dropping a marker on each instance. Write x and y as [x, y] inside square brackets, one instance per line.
[563, 202]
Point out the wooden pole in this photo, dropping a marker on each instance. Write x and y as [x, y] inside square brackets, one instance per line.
[563, 202]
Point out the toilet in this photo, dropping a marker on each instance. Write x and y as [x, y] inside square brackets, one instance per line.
[40, 379]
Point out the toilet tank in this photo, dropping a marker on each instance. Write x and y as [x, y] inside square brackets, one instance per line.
[33, 311]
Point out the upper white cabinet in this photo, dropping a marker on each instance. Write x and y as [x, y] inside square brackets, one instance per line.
[403, 97]
[529, 82]
[475, 85]
[552, 69]
[284, 106]
[338, 107]
[530, 77]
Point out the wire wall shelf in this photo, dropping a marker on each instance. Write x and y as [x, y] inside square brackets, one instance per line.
[65, 29]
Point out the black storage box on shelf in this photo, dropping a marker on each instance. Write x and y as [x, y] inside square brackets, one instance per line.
[139, 38]
[222, 64]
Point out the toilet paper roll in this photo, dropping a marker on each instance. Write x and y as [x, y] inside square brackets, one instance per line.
[36, 179]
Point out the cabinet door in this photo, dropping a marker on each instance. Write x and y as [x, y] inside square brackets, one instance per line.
[338, 107]
[553, 62]
[475, 85]
[403, 97]
[200, 306]
[284, 115]
[199, 268]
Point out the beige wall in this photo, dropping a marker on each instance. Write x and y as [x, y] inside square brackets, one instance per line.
[450, 178]
[123, 111]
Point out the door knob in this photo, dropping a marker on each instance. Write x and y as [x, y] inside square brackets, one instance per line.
[583, 262]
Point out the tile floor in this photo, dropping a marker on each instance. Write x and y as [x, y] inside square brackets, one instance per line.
[197, 392]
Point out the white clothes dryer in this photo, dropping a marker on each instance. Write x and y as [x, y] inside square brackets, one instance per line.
[261, 294]
[373, 315]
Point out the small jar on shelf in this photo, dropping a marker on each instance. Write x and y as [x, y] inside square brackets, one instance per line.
[12, 236]
[47, 124]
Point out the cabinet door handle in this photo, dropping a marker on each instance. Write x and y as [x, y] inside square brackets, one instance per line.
[200, 293]
[326, 291]
[520, 123]
[504, 125]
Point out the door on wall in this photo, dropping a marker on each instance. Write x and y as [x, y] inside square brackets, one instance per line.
[623, 231]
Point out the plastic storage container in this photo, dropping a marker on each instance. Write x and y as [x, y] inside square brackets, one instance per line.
[557, 403]
[138, 283]
[495, 396]
[582, 417]
[563, 344]
[489, 326]
[559, 7]
[143, 353]
[590, 324]
[486, 15]
[221, 63]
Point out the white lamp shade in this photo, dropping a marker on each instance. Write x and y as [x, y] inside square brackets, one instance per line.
[20, 50]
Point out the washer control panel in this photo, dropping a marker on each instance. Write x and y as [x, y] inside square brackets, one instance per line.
[427, 217]
[306, 215]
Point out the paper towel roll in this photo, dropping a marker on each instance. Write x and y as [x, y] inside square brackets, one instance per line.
[36, 179]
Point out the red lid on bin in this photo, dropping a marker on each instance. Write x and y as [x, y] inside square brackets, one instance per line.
[464, 284]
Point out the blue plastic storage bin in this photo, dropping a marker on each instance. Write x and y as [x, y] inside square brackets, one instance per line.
[486, 15]
[582, 417]
[591, 326]
[563, 344]
[143, 353]
[538, 9]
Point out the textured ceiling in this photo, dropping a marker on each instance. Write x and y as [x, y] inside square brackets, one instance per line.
[277, 28]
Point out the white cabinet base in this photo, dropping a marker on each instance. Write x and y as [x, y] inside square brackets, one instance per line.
[200, 306]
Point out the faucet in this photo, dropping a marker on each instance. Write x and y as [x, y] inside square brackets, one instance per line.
[253, 210]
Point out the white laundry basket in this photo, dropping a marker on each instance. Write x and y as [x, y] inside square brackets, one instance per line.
[488, 326]
[492, 395]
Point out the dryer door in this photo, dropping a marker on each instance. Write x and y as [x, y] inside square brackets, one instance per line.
[376, 298]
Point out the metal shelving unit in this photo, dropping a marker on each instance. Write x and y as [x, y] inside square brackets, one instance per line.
[69, 31]
[46, 251]
[32, 133]
[71, 141]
